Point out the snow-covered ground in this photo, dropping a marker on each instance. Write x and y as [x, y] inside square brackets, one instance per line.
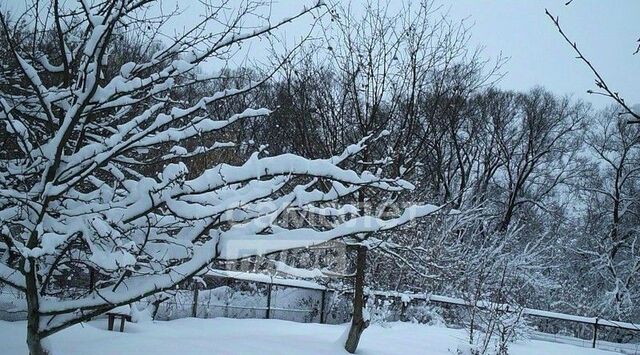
[222, 336]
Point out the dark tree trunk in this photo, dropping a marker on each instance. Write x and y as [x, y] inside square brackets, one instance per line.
[34, 340]
[358, 323]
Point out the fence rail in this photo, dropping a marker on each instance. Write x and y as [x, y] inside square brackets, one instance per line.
[538, 313]
[596, 322]
[10, 310]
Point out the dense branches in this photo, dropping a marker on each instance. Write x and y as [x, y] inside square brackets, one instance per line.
[96, 181]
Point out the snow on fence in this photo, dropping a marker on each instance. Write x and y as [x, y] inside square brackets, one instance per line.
[305, 301]
[293, 300]
[596, 322]
[322, 308]
[13, 304]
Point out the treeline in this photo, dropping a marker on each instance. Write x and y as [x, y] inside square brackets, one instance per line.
[548, 186]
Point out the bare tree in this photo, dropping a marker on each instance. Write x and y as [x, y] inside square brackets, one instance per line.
[612, 215]
[387, 65]
[538, 145]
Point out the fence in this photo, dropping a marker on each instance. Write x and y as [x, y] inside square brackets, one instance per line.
[12, 304]
[597, 324]
[249, 295]
[243, 295]
[312, 302]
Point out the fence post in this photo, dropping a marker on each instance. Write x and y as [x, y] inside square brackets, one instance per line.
[194, 308]
[595, 333]
[324, 292]
[268, 314]
[403, 311]
[92, 278]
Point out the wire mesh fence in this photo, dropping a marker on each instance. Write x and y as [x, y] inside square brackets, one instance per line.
[242, 299]
[12, 304]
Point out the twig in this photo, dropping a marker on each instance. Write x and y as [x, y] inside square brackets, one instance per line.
[600, 82]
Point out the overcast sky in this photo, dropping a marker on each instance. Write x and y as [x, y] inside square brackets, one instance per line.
[605, 30]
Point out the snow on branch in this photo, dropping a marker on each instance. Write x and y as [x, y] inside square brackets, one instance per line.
[122, 176]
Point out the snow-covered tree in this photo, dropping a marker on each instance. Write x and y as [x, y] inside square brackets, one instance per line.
[609, 257]
[94, 173]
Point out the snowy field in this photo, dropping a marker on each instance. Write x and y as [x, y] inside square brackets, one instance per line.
[222, 336]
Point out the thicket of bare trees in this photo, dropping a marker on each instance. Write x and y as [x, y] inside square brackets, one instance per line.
[541, 200]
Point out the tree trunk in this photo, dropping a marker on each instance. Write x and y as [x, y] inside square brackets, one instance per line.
[34, 341]
[358, 323]
[508, 215]
[156, 306]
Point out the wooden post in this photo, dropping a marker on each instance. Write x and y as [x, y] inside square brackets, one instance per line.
[194, 308]
[92, 278]
[268, 314]
[403, 311]
[595, 333]
[122, 319]
[324, 292]
[111, 319]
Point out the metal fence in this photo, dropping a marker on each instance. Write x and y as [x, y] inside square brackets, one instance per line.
[232, 298]
[322, 305]
[12, 304]
[245, 296]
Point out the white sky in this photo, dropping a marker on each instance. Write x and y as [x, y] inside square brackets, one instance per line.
[605, 30]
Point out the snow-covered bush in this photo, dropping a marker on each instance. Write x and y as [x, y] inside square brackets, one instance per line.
[425, 314]
[496, 330]
[379, 310]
